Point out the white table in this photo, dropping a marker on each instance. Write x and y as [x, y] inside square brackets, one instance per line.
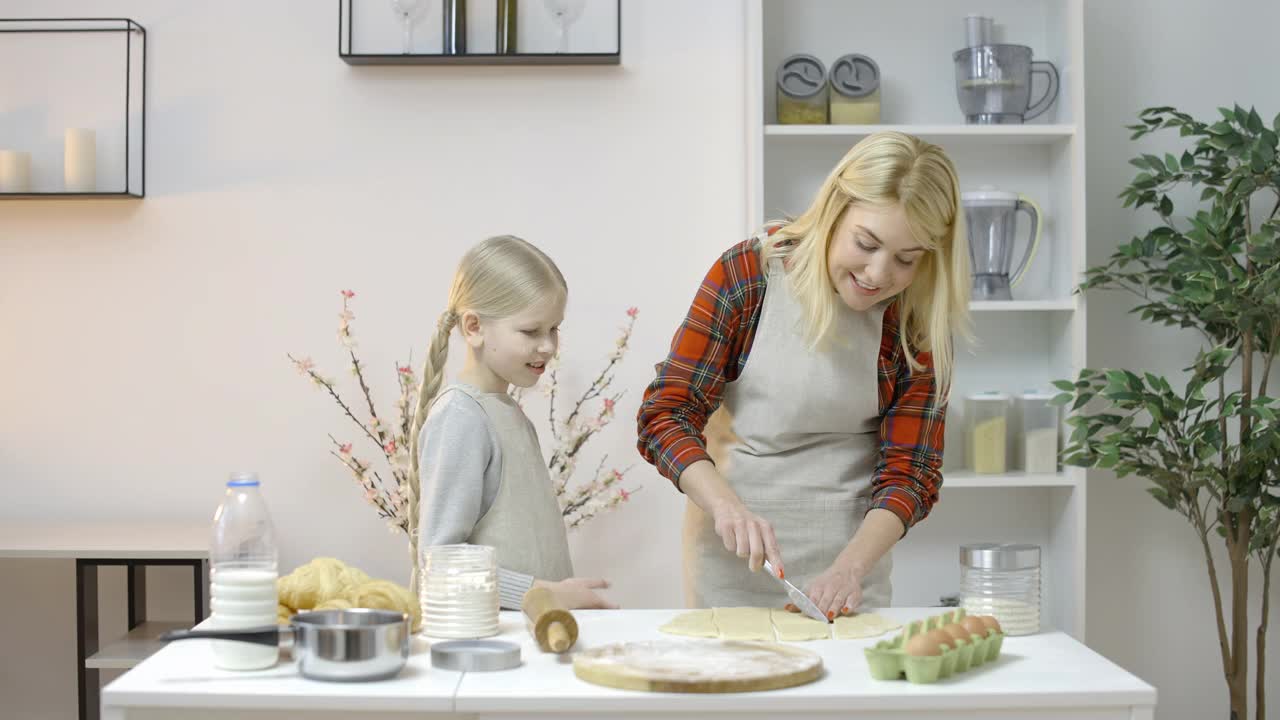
[136, 546]
[1049, 675]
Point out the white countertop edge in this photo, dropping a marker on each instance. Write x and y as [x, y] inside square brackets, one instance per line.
[352, 703]
[779, 701]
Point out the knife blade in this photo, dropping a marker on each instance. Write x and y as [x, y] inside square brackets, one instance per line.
[798, 598]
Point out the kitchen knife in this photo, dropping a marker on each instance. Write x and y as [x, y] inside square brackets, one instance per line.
[798, 598]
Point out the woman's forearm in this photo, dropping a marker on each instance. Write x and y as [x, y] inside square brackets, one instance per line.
[879, 532]
[703, 483]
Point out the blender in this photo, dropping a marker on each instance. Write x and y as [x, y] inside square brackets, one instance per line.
[993, 80]
[991, 218]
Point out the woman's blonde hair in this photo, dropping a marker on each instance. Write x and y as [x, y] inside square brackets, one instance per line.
[885, 169]
[498, 278]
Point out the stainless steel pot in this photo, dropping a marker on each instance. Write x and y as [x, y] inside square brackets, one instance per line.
[335, 645]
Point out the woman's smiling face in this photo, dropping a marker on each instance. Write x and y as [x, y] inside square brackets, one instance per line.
[872, 255]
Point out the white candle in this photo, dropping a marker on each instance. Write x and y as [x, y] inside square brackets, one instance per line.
[79, 161]
[15, 171]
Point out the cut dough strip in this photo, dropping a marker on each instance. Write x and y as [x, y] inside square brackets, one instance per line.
[750, 623]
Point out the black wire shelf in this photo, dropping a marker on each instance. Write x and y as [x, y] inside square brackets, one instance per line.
[135, 82]
[346, 34]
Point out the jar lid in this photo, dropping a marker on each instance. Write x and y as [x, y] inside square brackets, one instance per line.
[475, 655]
[801, 76]
[1036, 395]
[855, 75]
[1000, 556]
[989, 396]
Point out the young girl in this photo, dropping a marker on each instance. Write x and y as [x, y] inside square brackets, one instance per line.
[482, 477]
[829, 341]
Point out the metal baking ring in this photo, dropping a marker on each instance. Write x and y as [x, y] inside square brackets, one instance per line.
[475, 655]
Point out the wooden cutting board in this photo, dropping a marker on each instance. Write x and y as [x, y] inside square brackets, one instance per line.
[697, 666]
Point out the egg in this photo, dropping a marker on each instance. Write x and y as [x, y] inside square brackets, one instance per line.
[958, 632]
[942, 638]
[992, 624]
[920, 645]
[975, 625]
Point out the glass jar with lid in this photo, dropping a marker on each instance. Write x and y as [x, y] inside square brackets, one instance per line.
[988, 431]
[855, 90]
[1039, 430]
[802, 91]
[459, 591]
[1002, 580]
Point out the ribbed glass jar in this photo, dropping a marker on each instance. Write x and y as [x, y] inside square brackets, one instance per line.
[459, 592]
[1002, 580]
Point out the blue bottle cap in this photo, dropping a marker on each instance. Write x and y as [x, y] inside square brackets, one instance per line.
[243, 479]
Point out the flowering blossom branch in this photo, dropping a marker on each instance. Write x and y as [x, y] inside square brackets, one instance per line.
[390, 499]
[603, 492]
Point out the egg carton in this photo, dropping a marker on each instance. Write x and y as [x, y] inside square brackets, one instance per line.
[888, 660]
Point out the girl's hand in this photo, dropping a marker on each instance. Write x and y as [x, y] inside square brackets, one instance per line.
[579, 593]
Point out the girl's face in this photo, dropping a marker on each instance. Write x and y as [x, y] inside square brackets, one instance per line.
[872, 256]
[514, 350]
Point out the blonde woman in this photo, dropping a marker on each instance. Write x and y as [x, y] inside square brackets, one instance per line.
[825, 344]
[482, 478]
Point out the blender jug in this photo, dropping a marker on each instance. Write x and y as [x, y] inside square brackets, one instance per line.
[991, 218]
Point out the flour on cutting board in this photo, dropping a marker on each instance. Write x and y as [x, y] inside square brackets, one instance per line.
[691, 660]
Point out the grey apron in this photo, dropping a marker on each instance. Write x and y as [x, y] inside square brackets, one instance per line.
[805, 426]
[524, 524]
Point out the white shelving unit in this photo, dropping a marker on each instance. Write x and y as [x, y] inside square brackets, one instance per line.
[1023, 344]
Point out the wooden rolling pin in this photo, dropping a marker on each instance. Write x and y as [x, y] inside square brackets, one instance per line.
[550, 624]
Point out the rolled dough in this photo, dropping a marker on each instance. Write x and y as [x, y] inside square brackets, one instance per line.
[863, 626]
[744, 623]
[748, 623]
[794, 626]
[698, 623]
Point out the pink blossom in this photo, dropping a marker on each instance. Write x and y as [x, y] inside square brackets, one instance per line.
[390, 447]
[345, 449]
[348, 294]
[632, 312]
[622, 493]
[404, 370]
[370, 494]
[608, 405]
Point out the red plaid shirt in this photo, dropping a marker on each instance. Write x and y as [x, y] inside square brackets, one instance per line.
[711, 348]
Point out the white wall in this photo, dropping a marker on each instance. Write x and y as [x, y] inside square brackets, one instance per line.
[145, 350]
[1148, 595]
[144, 342]
[143, 353]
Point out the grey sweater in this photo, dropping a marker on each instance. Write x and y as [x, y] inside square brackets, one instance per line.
[460, 470]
